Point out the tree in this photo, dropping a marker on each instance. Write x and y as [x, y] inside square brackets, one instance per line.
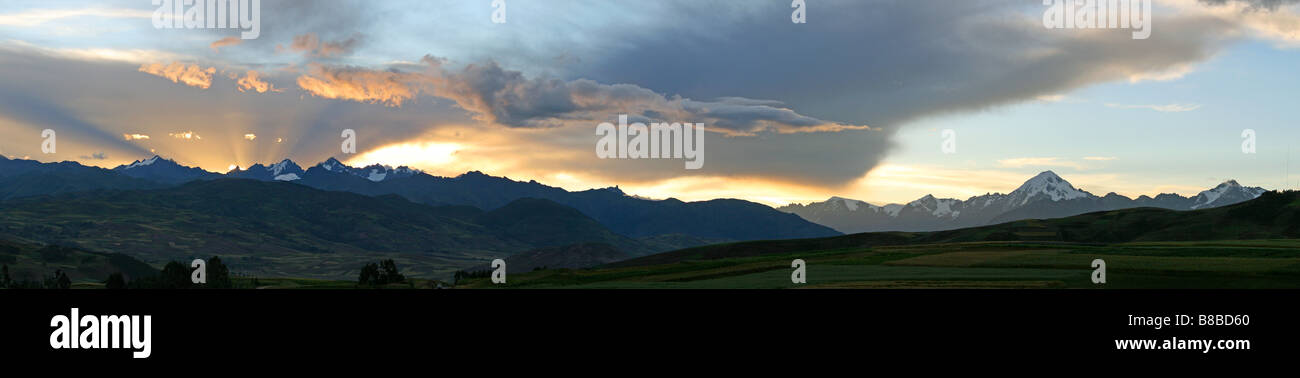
[390, 274]
[369, 275]
[174, 276]
[115, 281]
[218, 274]
[383, 273]
[58, 281]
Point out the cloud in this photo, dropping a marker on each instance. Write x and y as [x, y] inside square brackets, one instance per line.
[1252, 4]
[311, 45]
[497, 95]
[1169, 108]
[509, 98]
[185, 135]
[84, 101]
[95, 156]
[228, 41]
[362, 85]
[101, 54]
[1276, 20]
[252, 81]
[189, 74]
[772, 88]
[250, 136]
[135, 137]
[932, 58]
[1100, 158]
[36, 17]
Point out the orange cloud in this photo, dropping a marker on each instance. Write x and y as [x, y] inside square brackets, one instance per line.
[228, 41]
[252, 81]
[191, 75]
[186, 135]
[376, 87]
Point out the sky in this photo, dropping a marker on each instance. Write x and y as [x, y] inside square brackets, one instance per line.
[859, 101]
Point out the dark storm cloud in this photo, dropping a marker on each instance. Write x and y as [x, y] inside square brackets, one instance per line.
[886, 63]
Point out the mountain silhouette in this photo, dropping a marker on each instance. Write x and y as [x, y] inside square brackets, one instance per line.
[1044, 196]
[633, 217]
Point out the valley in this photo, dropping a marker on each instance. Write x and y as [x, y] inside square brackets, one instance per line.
[317, 227]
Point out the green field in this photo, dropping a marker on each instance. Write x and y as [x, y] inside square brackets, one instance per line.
[1255, 264]
[1254, 244]
[1211, 264]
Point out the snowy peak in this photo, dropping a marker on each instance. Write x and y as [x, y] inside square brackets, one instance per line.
[1225, 193]
[1050, 185]
[929, 198]
[285, 170]
[1044, 196]
[377, 173]
[373, 172]
[333, 165]
[284, 167]
[142, 163]
[162, 170]
[850, 204]
[939, 207]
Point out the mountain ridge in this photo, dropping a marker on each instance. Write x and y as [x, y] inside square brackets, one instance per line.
[626, 215]
[1044, 196]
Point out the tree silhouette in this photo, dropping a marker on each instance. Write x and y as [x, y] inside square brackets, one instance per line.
[58, 281]
[115, 281]
[383, 273]
[218, 274]
[174, 276]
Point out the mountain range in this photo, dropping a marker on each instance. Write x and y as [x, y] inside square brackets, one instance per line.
[274, 228]
[1044, 196]
[326, 220]
[727, 219]
[158, 209]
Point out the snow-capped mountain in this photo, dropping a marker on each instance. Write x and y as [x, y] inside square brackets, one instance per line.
[373, 172]
[850, 204]
[1046, 195]
[163, 170]
[285, 170]
[1227, 193]
[1046, 185]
